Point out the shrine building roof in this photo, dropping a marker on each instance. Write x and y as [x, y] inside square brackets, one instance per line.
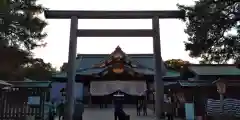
[215, 69]
[88, 64]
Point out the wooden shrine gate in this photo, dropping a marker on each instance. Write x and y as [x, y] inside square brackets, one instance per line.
[16, 105]
[75, 32]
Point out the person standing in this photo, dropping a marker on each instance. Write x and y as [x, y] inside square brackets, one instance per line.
[100, 102]
[138, 106]
[78, 110]
[118, 108]
[51, 111]
[169, 110]
[61, 110]
[105, 101]
[144, 107]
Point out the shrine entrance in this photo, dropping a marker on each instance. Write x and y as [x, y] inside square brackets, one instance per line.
[104, 91]
[75, 32]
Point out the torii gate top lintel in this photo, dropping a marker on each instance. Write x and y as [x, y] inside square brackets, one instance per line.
[64, 14]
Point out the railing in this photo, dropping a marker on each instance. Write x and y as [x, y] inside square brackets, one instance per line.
[230, 107]
[14, 104]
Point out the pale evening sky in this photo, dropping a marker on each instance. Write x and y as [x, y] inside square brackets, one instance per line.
[172, 30]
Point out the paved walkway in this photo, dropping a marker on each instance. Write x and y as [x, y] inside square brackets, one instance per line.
[107, 114]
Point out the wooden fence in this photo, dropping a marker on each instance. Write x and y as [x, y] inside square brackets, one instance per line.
[14, 103]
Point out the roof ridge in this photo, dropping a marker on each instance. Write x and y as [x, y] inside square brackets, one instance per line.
[202, 65]
[85, 54]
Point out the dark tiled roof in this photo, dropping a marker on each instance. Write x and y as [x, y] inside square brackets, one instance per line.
[31, 84]
[185, 83]
[86, 63]
[91, 71]
[199, 83]
[172, 73]
[88, 60]
[170, 83]
[4, 83]
[215, 69]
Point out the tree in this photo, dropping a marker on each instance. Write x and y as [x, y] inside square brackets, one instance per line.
[210, 26]
[21, 27]
[37, 69]
[3, 3]
[176, 64]
[18, 65]
[64, 67]
[12, 59]
[20, 32]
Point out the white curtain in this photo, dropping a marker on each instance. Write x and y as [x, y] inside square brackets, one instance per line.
[98, 88]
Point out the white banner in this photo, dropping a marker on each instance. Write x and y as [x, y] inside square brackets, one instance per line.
[99, 88]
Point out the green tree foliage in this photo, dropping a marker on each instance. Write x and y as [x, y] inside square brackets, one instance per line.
[64, 67]
[3, 4]
[18, 64]
[12, 60]
[21, 27]
[214, 30]
[37, 69]
[20, 32]
[176, 64]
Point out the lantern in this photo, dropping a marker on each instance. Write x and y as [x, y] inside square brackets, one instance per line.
[119, 68]
[221, 86]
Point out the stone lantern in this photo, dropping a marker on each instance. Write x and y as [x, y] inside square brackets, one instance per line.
[221, 89]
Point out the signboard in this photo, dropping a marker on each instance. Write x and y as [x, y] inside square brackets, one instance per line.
[189, 111]
[34, 100]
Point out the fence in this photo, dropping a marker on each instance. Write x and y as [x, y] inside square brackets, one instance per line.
[16, 105]
[230, 107]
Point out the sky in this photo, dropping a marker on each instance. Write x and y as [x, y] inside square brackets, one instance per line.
[171, 30]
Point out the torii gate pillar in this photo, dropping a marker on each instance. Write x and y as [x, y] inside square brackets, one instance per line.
[75, 32]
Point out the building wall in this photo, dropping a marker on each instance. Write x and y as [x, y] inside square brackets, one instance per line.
[56, 95]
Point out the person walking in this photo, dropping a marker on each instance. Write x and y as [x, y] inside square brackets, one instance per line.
[138, 106]
[78, 110]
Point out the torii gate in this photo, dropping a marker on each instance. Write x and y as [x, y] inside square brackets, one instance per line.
[75, 32]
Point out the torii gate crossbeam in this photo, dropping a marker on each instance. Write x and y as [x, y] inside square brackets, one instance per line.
[56, 14]
[75, 32]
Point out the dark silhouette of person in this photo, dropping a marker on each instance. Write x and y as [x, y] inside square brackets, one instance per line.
[78, 110]
[170, 110]
[139, 107]
[52, 111]
[61, 110]
[105, 101]
[144, 107]
[118, 106]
